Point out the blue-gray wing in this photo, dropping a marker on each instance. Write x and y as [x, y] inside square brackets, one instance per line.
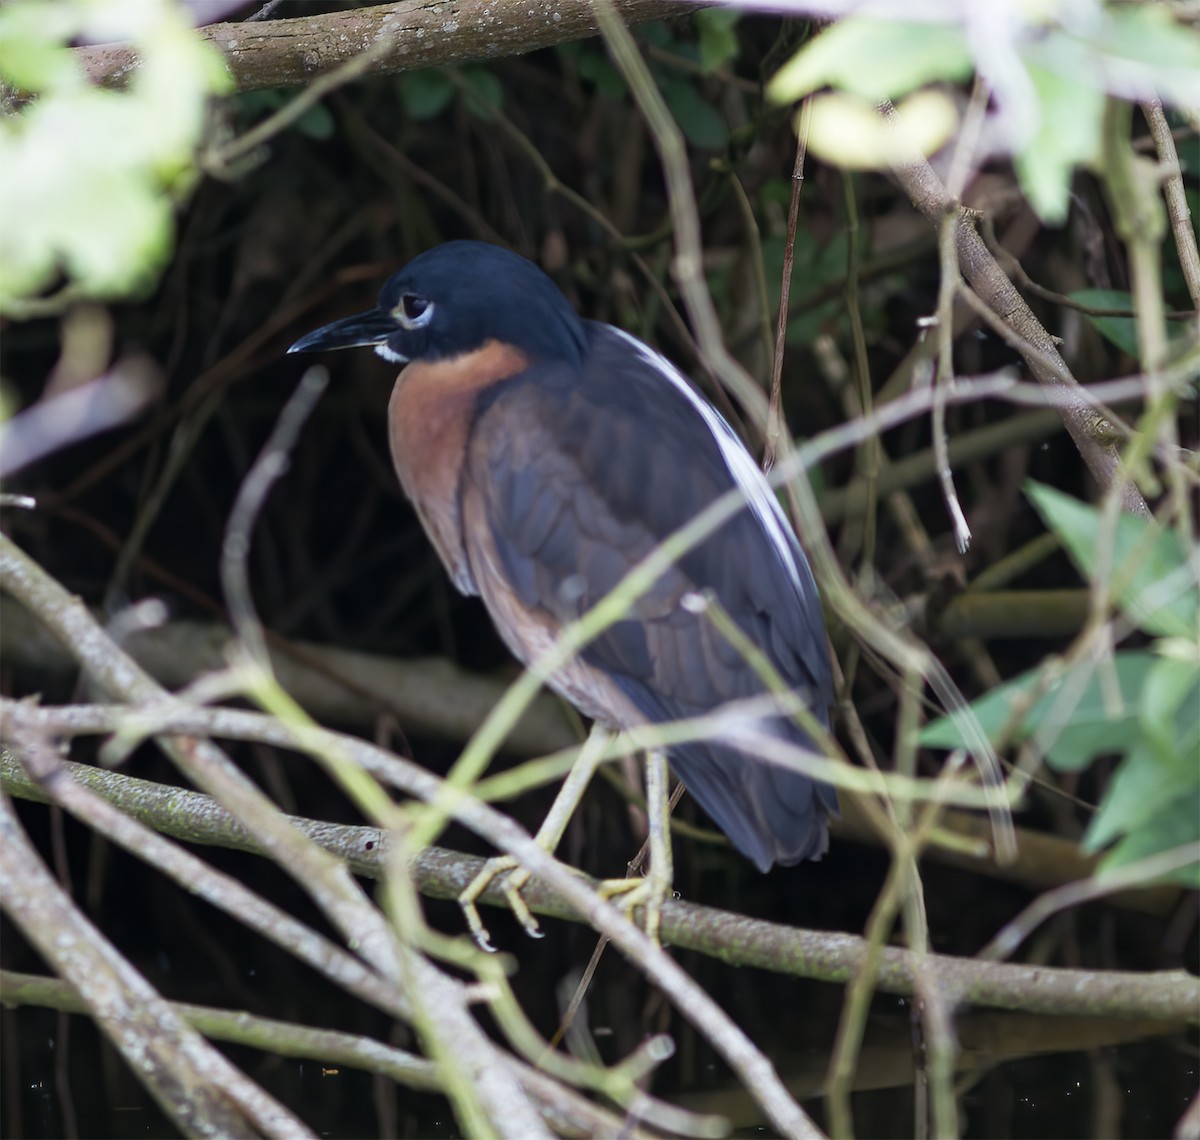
[580, 475]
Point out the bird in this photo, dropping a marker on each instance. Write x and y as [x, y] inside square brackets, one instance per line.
[546, 455]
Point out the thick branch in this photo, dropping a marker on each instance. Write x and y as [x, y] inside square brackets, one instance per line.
[734, 939]
[423, 33]
[1042, 861]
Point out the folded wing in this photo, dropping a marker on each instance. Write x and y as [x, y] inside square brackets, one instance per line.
[580, 476]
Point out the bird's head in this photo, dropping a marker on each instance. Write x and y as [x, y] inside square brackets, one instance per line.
[455, 298]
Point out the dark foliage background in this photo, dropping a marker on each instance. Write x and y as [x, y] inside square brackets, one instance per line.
[547, 154]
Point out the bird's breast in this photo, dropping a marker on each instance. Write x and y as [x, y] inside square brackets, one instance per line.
[430, 416]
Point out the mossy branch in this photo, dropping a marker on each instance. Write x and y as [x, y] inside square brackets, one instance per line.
[731, 938]
[415, 34]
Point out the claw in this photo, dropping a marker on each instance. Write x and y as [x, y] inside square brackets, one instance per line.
[547, 838]
[515, 877]
[648, 893]
[513, 885]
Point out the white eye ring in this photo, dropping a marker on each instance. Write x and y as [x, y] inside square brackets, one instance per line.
[413, 312]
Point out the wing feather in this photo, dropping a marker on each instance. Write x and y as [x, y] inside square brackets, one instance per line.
[581, 474]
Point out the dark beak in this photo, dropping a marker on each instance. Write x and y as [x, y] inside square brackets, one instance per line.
[358, 331]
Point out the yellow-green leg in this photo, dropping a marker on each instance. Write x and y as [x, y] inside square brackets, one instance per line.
[650, 890]
[548, 836]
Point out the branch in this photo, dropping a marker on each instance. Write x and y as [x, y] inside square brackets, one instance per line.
[888, 1061]
[327, 880]
[732, 938]
[427, 695]
[197, 1088]
[984, 275]
[422, 33]
[328, 1046]
[1178, 212]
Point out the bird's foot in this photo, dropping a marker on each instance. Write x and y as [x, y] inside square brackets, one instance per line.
[646, 892]
[514, 876]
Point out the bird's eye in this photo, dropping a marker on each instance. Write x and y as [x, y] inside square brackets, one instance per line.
[413, 312]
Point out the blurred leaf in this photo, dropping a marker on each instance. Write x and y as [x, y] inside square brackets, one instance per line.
[484, 95]
[717, 38]
[848, 131]
[776, 191]
[1151, 577]
[1139, 790]
[700, 121]
[1103, 720]
[93, 175]
[875, 59]
[1148, 53]
[1173, 825]
[1143, 792]
[813, 268]
[1070, 115]
[595, 67]
[1169, 711]
[252, 105]
[316, 123]
[426, 94]
[657, 34]
[34, 51]
[1121, 331]
[1132, 51]
[10, 402]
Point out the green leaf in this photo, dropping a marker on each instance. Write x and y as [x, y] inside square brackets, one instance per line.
[1173, 824]
[877, 59]
[777, 192]
[484, 95]
[1149, 51]
[316, 122]
[1151, 778]
[594, 66]
[1140, 803]
[253, 105]
[1169, 711]
[426, 94]
[1088, 712]
[1070, 115]
[717, 39]
[1154, 796]
[34, 54]
[94, 175]
[700, 121]
[1120, 331]
[1151, 578]
[1133, 51]
[657, 34]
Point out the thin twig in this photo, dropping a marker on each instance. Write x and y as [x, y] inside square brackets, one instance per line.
[1150, 869]
[202, 1092]
[775, 424]
[1177, 205]
[270, 466]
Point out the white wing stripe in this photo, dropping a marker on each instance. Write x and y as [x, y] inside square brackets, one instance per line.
[740, 462]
